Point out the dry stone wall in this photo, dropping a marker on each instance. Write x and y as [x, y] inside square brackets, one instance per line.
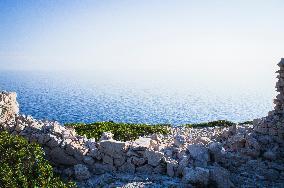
[273, 124]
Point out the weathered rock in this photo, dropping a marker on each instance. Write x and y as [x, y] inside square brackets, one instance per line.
[172, 166]
[88, 160]
[127, 167]
[81, 172]
[154, 157]
[114, 148]
[9, 107]
[196, 176]
[148, 169]
[199, 154]
[60, 157]
[179, 140]
[270, 155]
[220, 176]
[106, 136]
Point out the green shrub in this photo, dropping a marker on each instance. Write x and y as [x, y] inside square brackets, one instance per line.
[121, 131]
[211, 124]
[23, 165]
[246, 122]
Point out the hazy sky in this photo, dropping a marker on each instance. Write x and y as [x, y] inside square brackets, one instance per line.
[212, 36]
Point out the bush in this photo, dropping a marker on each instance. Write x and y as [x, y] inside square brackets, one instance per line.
[23, 165]
[211, 124]
[246, 122]
[121, 131]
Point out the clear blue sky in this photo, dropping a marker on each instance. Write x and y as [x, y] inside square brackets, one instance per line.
[198, 35]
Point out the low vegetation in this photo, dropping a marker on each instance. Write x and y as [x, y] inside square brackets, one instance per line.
[121, 131]
[223, 123]
[246, 122]
[22, 164]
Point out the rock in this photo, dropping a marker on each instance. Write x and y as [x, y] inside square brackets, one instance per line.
[81, 172]
[113, 148]
[196, 176]
[183, 163]
[157, 137]
[215, 149]
[68, 172]
[19, 127]
[88, 160]
[141, 144]
[119, 161]
[138, 161]
[53, 141]
[9, 107]
[179, 140]
[269, 155]
[60, 157]
[100, 168]
[106, 136]
[160, 169]
[108, 159]
[199, 154]
[220, 176]
[127, 168]
[147, 169]
[172, 166]
[154, 157]
[271, 175]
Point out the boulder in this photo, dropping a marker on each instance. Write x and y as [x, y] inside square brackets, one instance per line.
[127, 168]
[199, 153]
[196, 176]
[172, 166]
[220, 176]
[154, 157]
[81, 172]
[58, 156]
[113, 148]
[147, 169]
[179, 140]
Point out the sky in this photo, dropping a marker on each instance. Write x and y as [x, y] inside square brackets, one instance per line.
[241, 38]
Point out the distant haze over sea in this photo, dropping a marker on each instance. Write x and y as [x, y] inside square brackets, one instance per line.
[140, 96]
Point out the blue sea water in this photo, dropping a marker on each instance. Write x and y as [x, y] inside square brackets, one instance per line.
[138, 98]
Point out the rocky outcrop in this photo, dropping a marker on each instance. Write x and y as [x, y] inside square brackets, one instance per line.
[273, 124]
[9, 107]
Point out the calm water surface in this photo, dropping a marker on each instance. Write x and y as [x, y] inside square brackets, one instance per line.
[138, 98]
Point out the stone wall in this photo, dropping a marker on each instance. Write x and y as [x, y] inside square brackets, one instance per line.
[80, 157]
[273, 124]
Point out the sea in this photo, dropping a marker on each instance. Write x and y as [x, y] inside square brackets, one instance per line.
[139, 97]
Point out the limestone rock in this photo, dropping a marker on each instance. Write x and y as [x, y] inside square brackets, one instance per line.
[179, 140]
[60, 157]
[9, 106]
[81, 172]
[196, 176]
[172, 166]
[106, 136]
[153, 157]
[127, 167]
[113, 148]
[199, 154]
[220, 176]
[147, 169]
